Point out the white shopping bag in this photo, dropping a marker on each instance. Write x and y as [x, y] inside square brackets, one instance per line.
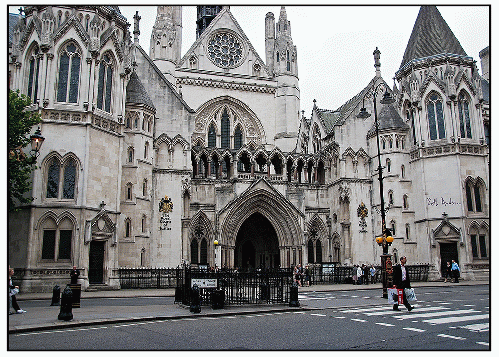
[409, 294]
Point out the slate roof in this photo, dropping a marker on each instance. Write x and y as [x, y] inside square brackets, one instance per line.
[389, 119]
[431, 36]
[136, 93]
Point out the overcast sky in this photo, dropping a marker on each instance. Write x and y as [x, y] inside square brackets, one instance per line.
[335, 44]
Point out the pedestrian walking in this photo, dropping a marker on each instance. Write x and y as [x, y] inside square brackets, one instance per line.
[372, 271]
[401, 281]
[354, 275]
[13, 291]
[447, 272]
[456, 272]
[296, 274]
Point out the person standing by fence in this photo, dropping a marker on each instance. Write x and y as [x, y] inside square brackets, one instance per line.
[372, 272]
[455, 271]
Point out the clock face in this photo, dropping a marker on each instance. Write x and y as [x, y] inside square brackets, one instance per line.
[225, 50]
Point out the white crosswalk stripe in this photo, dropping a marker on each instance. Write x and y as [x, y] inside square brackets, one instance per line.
[392, 312]
[477, 327]
[454, 319]
[435, 314]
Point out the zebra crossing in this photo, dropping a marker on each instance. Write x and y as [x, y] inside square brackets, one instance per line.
[431, 315]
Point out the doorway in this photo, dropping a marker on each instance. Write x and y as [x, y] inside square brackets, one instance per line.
[256, 244]
[96, 262]
[448, 252]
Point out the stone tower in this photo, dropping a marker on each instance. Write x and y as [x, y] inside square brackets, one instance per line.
[166, 40]
[285, 68]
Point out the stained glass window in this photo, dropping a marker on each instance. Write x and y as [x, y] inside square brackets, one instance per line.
[53, 179]
[212, 138]
[105, 84]
[204, 252]
[435, 117]
[34, 68]
[68, 189]
[238, 138]
[225, 130]
[69, 73]
[464, 116]
[225, 50]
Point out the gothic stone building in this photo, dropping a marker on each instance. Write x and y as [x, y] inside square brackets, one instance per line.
[150, 158]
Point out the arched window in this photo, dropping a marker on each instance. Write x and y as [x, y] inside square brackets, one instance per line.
[474, 192]
[388, 165]
[407, 231]
[194, 251]
[390, 197]
[56, 240]
[464, 116]
[203, 256]
[146, 150]
[61, 174]
[69, 74]
[405, 199]
[68, 188]
[212, 136]
[238, 137]
[318, 251]
[288, 62]
[33, 74]
[53, 178]
[144, 188]
[311, 251]
[130, 155]
[128, 228]
[105, 84]
[435, 117]
[225, 130]
[144, 223]
[129, 191]
[479, 242]
[393, 226]
[402, 171]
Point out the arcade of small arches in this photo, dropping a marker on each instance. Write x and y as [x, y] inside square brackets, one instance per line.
[250, 162]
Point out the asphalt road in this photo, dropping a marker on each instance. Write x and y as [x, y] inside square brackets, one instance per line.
[450, 318]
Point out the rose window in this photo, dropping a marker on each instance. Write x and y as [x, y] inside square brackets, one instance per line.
[225, 50]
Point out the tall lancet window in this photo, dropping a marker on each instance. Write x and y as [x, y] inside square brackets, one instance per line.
[225, 130]
[105, 84]
[464, 116]
[212, 136]
[69, 74]
[33, 74]
[435, 117]
[238, 138]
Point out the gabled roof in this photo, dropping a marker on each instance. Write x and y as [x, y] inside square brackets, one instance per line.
[331, 118]
[207, 32]
[431, 36]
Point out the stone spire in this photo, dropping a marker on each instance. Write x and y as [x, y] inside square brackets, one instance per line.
[377, 63]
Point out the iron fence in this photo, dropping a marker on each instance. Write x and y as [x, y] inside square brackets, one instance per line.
[255, 287]
[148, 278]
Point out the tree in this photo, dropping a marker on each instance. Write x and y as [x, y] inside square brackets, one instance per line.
[19, 165]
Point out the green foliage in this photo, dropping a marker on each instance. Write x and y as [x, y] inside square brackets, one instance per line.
[19, 165]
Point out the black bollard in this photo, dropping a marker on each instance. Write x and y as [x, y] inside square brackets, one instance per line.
[66, 313]
[293, 296]
[56, 296]
[195, 300]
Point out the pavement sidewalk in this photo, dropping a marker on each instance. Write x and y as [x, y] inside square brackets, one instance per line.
[41, 316]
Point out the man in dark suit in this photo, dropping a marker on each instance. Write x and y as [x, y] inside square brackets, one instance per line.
[401, 281]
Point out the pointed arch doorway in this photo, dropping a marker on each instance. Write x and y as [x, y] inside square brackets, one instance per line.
[257, 245]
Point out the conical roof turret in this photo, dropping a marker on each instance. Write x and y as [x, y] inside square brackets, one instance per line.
[431, 36]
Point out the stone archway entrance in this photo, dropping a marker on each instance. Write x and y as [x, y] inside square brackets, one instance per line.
[256, 244]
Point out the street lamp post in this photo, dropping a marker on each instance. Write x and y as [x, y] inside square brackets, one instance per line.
[385, 240]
